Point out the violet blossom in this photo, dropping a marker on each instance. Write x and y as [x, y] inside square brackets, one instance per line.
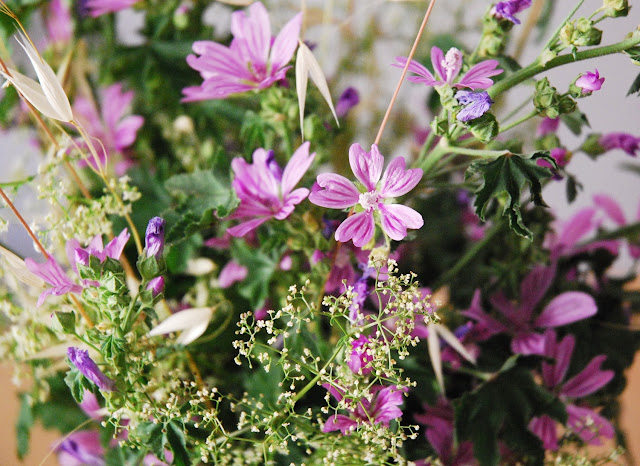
[113, 249]
[373, 199]
[81, 448]
[231, 273]
[347, 100]
[97, 8]
[58, 22]
[519, 320]
[590, 82]
[112, 126]
[506, 10]
[447, 68]
[51, 272]
[381, 409]
[156, 285]
[265, 191]
[627, 142]
[547, 126]
[360, 356]
[254, 60]
[476, 105]
[439, 431]
[154, 237]
[83, 362]
[584, 421]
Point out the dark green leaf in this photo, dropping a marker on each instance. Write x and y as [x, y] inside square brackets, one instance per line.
[201, 196]
[77, 383]
[634, 54]
[261, 267]
[175, 436]
[504, 178]
[23, 426]
[573, 185]
[635, 86]
[575, 121]
[67, 322]
[153, 437]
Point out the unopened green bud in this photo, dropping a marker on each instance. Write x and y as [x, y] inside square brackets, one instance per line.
[566, 104]
[580, 33]
[615, 8]
[592, 147]
[484, 128]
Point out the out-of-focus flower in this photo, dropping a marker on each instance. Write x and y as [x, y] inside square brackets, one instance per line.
[58, 22]
[547, 126]
[253, 60]
[51, 272]
[448, 67]
[156, 285]
[590, 82]
[360, 356]
[381, 409]
[48, 97]
[265, 191]
[82, 448]
[231, 273]
[507, 10]
[613, 210]
[83, 362]
[90, 405]
[340, 193]
[439, 431]
[347, 100]
[627, 142]
[154, 237]
[519, 321]
[113, 127]
[562, 157]
[584, 421]
[192, 322]
[477, 104]
[97, 8]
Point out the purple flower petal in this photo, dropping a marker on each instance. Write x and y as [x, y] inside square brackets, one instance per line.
[340, 422]
[359, 227]
[424, 75]
[286, 42]
[366, 166]
[545, 429]
[51, 272]
[81, 360]
[528, 343]
[554, 374]
[437, 58]
[252, 34]
[477, 104]
[589, 425]
[338, 192]
[397, 180]
[589, 380]
[396, 218]
[478, 76]
[231, 273]
[296, 168]
[81, 448]
[533, 288]
[610, 207]
[567, 308]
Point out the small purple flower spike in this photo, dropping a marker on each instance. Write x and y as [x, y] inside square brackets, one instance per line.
[477, 104]
[590, 82]
[156, 285]
[154, 237]
[88, 368]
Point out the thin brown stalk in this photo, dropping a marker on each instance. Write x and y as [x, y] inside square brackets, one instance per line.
[196, 374]
[24, 224]
[82, 310]
[404, 71]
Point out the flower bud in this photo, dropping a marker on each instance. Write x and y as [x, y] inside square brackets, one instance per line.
[81, 360]
[615, 8]
[154, 237]
[156, 286]
[590, 82]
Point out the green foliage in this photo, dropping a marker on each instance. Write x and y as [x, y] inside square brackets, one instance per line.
[261, 264]
[549, 103]
[485, 128]
[503, 180]
[199, 198]
[161, 435]
[505, 405]
[77, 383]
[23, 426]
[635, 86]
[67, 322]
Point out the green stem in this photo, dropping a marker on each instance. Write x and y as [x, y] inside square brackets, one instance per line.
[434, 156]
[477, 152]
[556, 33]
[536, 68]
[515, 123]
[314, 381]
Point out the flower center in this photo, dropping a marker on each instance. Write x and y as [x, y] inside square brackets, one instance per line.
[369, 201]
[452, 63]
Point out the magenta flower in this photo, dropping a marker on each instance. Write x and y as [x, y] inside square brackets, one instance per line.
[113, 249]
[265, 191]
[520, 321]
[507, 10]
[590, 82]
[562, 157]
[232, 273]
[627, 142]
[81, 448]
[253, 60]
[154, 237]
[382, 409]
[112, 127]
[102, 7]
[83, 362]
[439, 431]
[476, 105]
[347, 100]
[374, 200]
[547, 126]
[58, 22]
[360, 356]
[156, 285]
[51, 272]
[447, 68]
[584, 421]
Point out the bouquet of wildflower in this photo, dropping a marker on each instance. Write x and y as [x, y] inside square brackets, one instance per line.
[235, 264]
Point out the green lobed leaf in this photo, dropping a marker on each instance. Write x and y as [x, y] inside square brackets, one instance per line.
[504, 178]
[200, 197]
[175, 437]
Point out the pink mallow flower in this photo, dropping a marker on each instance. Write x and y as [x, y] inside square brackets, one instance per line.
[381, 409]
[232, 273]
[590, 82]
[102, 7]
[265, 191]
[81, 448]
[447, 68]
[520, 321]
[59, 23]
[584, 421]
[627, 142]
[113, 127]
[360, 356]
[51, 272]
[373, 198]
[254, 60]
[547, 126]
